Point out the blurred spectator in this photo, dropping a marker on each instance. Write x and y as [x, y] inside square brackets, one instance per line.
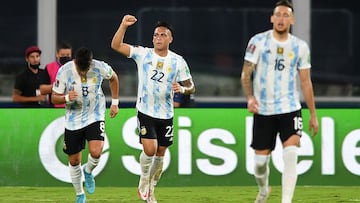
[27, 83]
[63, 55]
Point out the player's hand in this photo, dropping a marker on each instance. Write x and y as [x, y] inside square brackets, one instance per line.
[41, 98]
[128, 20]
[313, 125]
[72, 95]
[177, 88]
[253, 105]
[114, 109]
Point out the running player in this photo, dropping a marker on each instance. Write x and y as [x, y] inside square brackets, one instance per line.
[78, 85]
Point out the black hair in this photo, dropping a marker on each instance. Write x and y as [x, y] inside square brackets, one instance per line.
[286, 3]
[63, 45]
[83, 58]
[166, 25]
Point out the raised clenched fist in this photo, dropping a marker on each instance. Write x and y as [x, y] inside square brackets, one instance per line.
[129, 20]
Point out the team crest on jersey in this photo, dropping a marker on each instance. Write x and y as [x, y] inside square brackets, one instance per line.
[169, 69]
[280, 50]
[143, 130]
[94, 80]
[160, 64]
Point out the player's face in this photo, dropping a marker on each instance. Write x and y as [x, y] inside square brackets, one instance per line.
[162, 38]
[282, 19]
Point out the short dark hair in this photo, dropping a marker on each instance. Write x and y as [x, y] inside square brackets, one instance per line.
[83, 58]
[63, 45]
[286, 3]
[166, 25]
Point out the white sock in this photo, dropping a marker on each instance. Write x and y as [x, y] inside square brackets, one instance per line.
[75, 174]
[262, 172]
[156, 168]
[289, 176]
[145, 163]
[91, 164]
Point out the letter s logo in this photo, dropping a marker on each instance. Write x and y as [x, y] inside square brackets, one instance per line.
[47, 152]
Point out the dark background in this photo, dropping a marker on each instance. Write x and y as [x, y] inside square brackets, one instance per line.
[211, 35]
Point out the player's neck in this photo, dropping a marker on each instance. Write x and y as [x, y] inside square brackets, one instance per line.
[82, 74]
[161, 52]
[280, 36]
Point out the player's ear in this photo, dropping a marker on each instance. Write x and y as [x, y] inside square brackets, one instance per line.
[171, 40]
[292, 21]
[272, 18]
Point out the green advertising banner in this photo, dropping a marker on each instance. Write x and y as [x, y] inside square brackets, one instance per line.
[211, 147]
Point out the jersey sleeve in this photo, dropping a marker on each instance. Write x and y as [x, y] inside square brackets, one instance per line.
[184, 71]
[304, 61]
[252, 50]
[60, 81]
[106, 70]
[136, 52]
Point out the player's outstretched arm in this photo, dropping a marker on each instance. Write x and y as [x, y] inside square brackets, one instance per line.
[117, 42]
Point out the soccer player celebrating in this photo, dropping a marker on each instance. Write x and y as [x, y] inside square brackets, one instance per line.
[159, 71]
[78, 85]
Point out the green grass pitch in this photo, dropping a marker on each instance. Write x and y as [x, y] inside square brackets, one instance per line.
[212, 194]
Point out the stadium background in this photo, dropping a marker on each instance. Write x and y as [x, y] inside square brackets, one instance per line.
[212, 36]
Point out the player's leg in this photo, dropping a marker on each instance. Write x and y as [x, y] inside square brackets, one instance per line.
[75, 174]
[261, 174]
[290, 136]
[165, 139]
[146, 160]
[92, 162]
[263, 142]
[155, 173]
[74, 142]
[147, 135]
[95, 135]
[289, 175]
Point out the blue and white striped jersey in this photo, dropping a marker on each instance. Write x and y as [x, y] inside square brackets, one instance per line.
[90, 105]
[156, 75]
[275, 82]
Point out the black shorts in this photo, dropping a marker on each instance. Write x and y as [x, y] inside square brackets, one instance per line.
[74, 140]
[266, 128]
[155, 128]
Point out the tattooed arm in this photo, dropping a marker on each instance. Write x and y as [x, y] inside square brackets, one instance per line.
[246, 82]
[186, 87]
